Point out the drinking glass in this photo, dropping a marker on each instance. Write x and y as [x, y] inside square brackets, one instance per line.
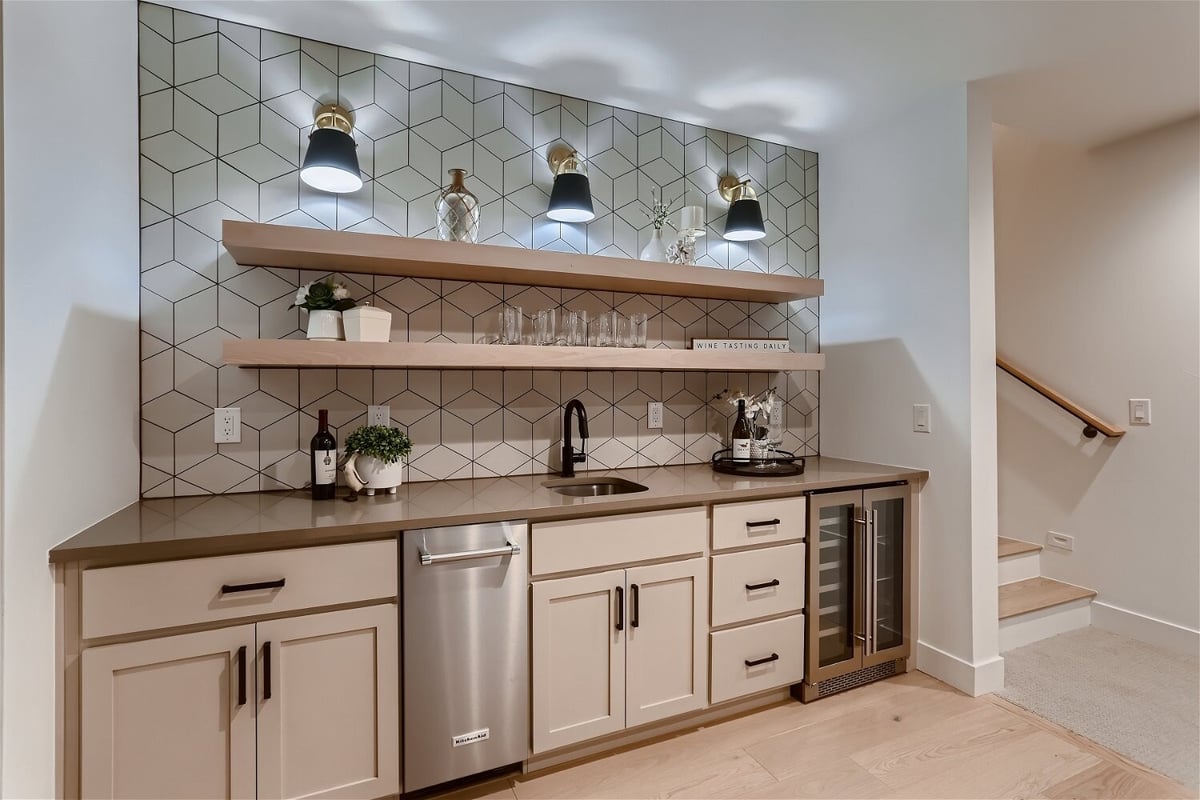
[512, 324]
[620, 328]
[545, 327]
[602, 330]
[575, 327]
[637, 330]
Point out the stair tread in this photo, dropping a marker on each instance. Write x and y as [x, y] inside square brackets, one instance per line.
[1035, 594]
[1015, 547]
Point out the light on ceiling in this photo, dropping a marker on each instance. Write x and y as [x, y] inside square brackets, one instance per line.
[571, 197]
[331, 163]
[744, 222]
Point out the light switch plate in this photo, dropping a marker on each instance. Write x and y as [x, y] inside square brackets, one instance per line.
[654, 415]
[227, 425]
[922, 420]
[379, 415]
[1139, 411]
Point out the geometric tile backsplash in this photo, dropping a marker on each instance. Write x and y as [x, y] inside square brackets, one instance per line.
[225, 113]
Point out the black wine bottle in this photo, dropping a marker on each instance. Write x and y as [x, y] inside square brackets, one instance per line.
[324, 460]
[741, 434]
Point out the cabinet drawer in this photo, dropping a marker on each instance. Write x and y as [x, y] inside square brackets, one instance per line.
[603, 541]
[733, 648]
[737, 578]
[144, 597]
[757, 522]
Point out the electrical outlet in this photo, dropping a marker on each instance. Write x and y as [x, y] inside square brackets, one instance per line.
[379, 415]
[1139, 412]
[1060, 540]
[654, 414]
[922, 420]
[227, 425]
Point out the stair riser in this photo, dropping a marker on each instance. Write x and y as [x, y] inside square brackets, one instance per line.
[1019, 568]
[1034, 626]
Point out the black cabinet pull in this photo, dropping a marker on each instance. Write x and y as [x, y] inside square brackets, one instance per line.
[267, 671]
[767, 660]
[242, 675]
[634, 609]
[620, 608]
[750, 587]
[230, 588]
[764, 523]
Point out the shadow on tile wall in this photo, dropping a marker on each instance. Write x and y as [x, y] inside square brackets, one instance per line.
[225, 110]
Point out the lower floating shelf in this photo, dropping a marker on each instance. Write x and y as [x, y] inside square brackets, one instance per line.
[304, 354]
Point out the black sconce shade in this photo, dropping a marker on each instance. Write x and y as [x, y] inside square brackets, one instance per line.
[331, 163]
[744, 222]
[571, 199]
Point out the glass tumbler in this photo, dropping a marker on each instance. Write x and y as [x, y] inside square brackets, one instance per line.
[637, 330]
[602, 330]
[512, 324]
[545, 327]
[575, 327]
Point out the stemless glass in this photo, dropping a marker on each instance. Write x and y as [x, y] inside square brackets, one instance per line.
[512, 324]
[576, 328]
[546, 327]
[637, 330]
[602, 334]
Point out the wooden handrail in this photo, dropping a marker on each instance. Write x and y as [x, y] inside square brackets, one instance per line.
[1092, 423]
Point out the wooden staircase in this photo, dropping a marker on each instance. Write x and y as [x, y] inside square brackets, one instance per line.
[1033, 607]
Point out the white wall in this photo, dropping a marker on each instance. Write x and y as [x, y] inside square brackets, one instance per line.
[906, 315]
[1098, 280]
[70, 325]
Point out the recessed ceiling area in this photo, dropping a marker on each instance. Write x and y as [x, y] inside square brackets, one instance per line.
[803, 73]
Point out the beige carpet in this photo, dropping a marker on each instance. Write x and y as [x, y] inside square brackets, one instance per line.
[1140, 700]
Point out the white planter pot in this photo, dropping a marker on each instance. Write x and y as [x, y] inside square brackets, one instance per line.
[656, 248]
[367, 324]
[325, 325]
[373, 475]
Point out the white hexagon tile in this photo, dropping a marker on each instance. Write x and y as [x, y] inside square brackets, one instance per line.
[225, 112]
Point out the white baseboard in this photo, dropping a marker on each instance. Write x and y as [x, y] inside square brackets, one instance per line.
[1147, 629]
[1028, 628]
[973, 679]
[1019, 568]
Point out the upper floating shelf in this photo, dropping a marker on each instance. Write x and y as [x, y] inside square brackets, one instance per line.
[254, 244]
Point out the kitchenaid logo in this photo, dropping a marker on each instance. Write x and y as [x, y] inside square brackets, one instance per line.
[472, 737]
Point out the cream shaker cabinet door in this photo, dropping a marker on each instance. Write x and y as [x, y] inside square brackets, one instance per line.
[666, 657]
[170, 717]
[328, 705]
[578, 659]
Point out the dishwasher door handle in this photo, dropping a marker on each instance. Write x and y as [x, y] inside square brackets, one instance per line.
[427, 558]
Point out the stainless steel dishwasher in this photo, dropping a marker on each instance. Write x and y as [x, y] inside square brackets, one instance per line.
[466, 650]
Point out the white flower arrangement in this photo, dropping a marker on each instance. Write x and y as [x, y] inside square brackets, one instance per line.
[325, 294]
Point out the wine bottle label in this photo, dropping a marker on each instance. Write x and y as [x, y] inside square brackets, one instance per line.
[741, 449]
[326, 463]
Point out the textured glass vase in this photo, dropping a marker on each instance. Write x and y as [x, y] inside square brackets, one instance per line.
[457, 211]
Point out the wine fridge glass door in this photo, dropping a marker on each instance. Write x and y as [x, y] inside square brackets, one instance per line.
[834, 633]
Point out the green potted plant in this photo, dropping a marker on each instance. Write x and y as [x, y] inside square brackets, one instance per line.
[375, 458]
[324, 300]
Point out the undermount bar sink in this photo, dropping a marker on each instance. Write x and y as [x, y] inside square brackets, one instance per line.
[593, 487]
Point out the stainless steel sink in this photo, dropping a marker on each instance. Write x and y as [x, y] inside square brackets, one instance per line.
[593, 487]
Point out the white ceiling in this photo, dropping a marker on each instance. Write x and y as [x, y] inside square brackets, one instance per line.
[798, 72]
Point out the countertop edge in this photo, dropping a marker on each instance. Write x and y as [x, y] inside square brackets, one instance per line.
[256, 541]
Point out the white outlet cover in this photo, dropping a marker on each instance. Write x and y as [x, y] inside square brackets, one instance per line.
[379, 415]
[227, 425]
[654, 415]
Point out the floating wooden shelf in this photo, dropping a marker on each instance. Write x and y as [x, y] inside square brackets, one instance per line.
[265, 353]
[254, 244]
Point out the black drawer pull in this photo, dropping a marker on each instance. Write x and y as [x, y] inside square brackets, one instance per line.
[767, 660]
[750, 587]
[267, 671]
[230, 588]
[620, 608]
[242, 675]
[764, 523]
[635, 609]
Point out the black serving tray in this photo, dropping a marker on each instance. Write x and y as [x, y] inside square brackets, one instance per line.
[783, 464]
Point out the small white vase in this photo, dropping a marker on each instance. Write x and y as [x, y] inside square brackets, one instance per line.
[325, 325]
[373, 475]
[367, 324]
[656, 248]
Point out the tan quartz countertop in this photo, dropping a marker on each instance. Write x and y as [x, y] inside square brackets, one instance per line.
[185, 527]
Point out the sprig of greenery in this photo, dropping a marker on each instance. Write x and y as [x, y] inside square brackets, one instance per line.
[383, 442]
[323, 295]
[660, 212]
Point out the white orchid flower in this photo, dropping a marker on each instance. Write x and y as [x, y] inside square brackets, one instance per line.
[340, 292]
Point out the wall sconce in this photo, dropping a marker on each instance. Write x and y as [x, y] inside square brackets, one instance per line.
[571, 197]
[331, 163]
[744, 222]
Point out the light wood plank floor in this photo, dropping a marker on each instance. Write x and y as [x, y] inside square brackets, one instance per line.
[908, 737]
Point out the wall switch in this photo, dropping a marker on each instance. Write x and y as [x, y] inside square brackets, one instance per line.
[654, 415]
[1060, 540]
[227, 425]
[1139, 412]
[379, 415]
[922, 422]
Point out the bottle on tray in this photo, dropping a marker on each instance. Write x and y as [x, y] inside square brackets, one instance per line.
[741, 435]
[324, 460]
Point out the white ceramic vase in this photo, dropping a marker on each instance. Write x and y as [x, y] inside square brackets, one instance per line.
[373, 475]
[325, 325]
[656, 248]
[367, 324]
